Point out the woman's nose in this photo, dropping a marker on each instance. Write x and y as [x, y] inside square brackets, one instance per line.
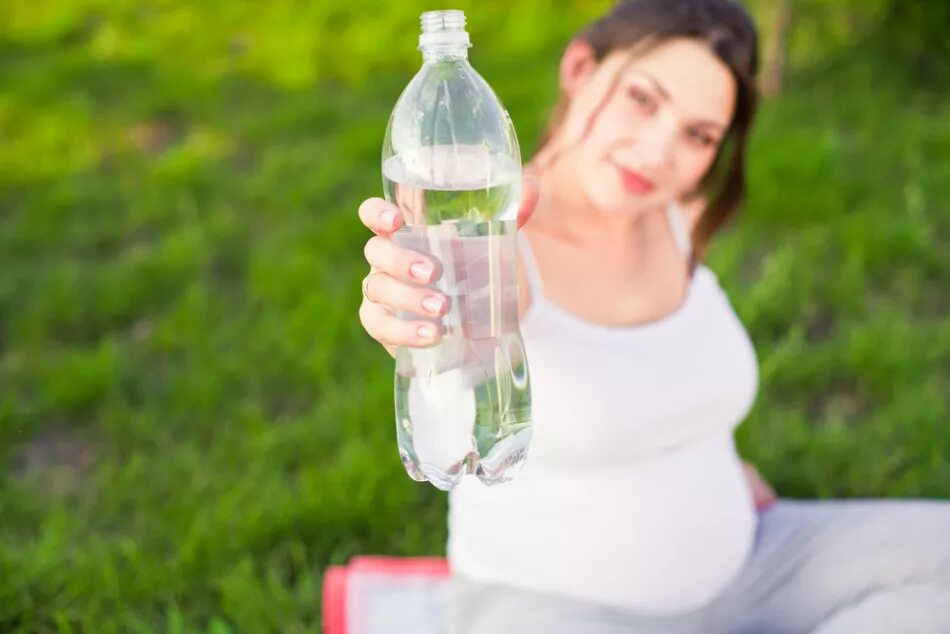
[656, 143]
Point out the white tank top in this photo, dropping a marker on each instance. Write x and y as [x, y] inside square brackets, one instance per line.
[632, 495]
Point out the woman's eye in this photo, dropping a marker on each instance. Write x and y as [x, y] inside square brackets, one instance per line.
[701, 138]
[642, 99]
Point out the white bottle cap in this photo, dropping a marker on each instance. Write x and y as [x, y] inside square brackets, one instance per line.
[443, 29]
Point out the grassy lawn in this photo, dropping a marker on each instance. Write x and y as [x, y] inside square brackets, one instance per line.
[193, 423]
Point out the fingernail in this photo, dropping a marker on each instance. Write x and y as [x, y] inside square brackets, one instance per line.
[426, 331]
[422, 271]
[433, 304]
[388, 217]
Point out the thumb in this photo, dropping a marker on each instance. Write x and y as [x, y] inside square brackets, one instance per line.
[530, 191]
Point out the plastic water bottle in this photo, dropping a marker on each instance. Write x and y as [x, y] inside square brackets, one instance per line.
[451, 163]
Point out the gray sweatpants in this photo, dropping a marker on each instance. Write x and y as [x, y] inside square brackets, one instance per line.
[823, 566]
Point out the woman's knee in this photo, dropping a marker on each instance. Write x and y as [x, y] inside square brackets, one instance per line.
[921, 609]
[887, 542]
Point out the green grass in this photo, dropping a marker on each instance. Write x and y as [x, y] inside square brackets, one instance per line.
[193, 424]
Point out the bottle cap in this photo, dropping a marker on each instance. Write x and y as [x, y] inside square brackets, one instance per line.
[443, 29]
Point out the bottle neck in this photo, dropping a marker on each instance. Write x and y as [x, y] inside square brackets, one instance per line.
[436, 52]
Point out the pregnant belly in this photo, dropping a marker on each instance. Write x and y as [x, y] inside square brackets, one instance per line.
[660, 536]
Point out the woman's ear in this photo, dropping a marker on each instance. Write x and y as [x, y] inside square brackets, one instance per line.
[577, 67]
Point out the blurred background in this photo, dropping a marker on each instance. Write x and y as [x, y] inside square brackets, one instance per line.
[193, 423]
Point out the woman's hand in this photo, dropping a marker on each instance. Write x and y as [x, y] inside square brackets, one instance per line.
[396, 274]
[762, 493]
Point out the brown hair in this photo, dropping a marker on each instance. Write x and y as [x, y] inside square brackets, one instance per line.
[730, 33]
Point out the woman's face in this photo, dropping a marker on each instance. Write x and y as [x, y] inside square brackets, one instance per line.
[649, 134]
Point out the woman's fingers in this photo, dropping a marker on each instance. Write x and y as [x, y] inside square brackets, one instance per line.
[383, 289]
[403, 264]
[396, 282]
[379, 216]
[391, 331]
[399, 275]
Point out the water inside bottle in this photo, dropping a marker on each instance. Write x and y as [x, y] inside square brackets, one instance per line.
[464, 405]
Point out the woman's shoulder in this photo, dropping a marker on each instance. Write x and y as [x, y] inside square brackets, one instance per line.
[705, 276]
[707, 284]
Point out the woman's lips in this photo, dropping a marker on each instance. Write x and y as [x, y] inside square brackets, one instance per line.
[635, 183]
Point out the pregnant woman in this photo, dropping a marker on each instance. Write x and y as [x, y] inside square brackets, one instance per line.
[634, 512]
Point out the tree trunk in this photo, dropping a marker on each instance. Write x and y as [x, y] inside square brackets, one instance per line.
[773, 71]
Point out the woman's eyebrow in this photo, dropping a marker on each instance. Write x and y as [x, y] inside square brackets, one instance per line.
[708, 123]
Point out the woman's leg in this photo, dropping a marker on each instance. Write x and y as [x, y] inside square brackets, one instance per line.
[914, 609]
[482, 608]
[824, 566]
[835, 565]
[477, 608]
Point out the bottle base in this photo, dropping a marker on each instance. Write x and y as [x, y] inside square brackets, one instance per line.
[500, 465]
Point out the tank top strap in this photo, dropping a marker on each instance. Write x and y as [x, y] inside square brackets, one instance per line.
[680, 229]
[530, 268]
